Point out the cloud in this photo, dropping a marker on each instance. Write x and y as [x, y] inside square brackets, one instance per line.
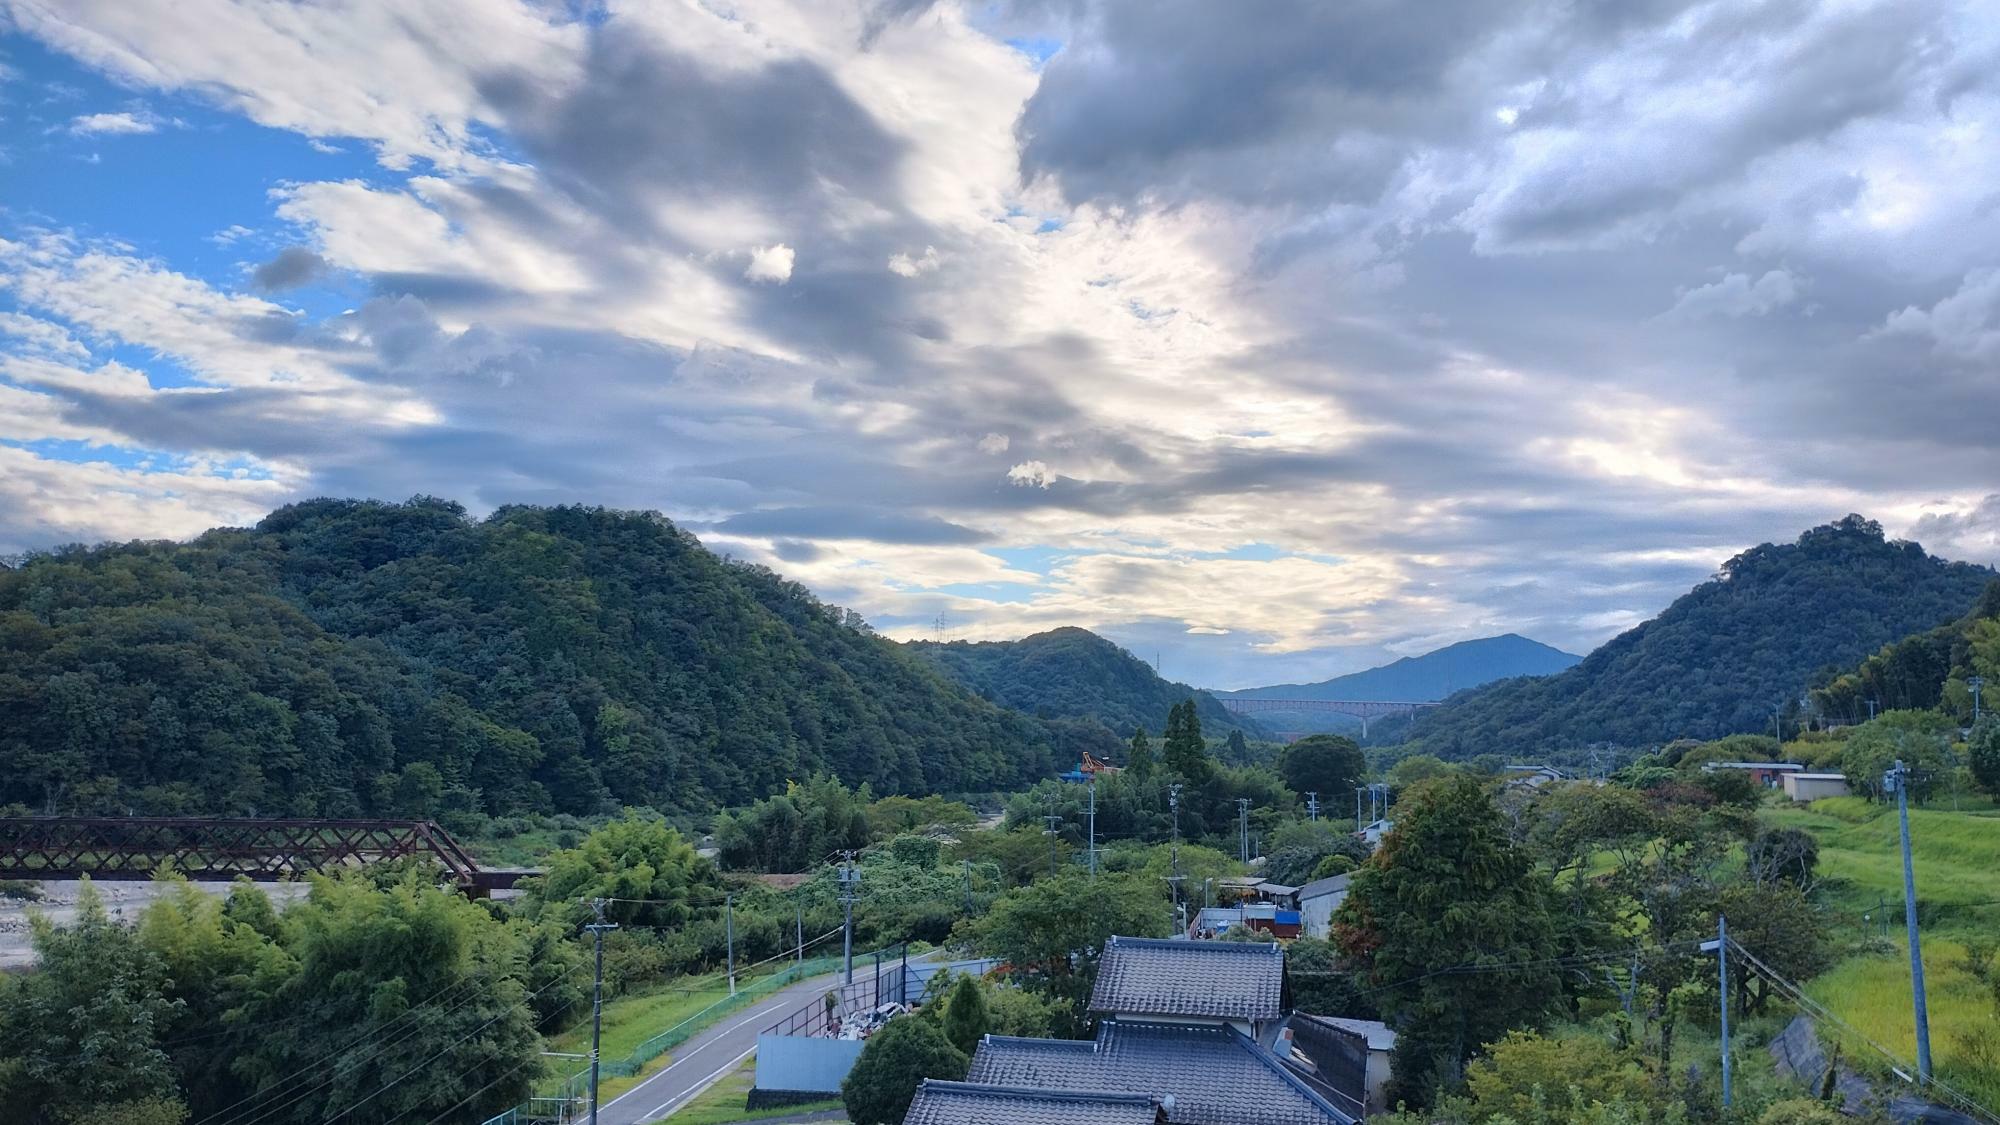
[1737, 295]
[849, 522]
[903, 265]
[294, 266]
[1032, 474]
[770, 263]
[1308, 340]
[112, 124]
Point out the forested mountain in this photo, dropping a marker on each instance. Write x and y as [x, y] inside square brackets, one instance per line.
[1434, 675]
[1075, 674]
[1724, 655]
[1924, 671]
[349, 657]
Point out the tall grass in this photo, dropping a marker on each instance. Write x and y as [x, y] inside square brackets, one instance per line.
[1956, 856]
[1872, 993]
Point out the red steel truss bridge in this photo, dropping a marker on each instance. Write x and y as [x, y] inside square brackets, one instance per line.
[1363, 709]
[223, 848]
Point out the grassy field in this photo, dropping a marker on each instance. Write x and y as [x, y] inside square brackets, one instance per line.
[1956, 855]
[629, 1021]
[723, 1102]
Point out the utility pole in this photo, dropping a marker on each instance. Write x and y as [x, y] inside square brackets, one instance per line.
[799, 934]
[1898, 779]
[597, 929]
[968, 886]
[1174, 853]
[1975, 683]
[1358, 826]
[1053, 821]
[1243, 826]
[1871, 710]
[848, 878]
[1312, 804]
[729, 939]
[1722, 974]
[1778, 725]
[1093, 826]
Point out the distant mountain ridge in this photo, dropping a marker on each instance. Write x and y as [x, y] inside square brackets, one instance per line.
[1724, 655]
[1432, 676]
[1074, 674]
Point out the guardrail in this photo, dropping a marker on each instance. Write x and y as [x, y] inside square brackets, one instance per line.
[561, 1110]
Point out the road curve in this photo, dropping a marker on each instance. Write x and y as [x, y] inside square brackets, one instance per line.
[703, 1060]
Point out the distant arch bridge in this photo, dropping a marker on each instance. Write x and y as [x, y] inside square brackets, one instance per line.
[1363, 709]
[225, 848]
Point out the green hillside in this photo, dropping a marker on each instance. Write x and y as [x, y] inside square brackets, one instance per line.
[1075, 674]
[1925, 671]
[1723, 655]
[350, 657]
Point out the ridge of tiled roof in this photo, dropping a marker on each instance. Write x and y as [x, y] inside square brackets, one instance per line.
[939, 1102]
[1204, 1067]
[1193, 979]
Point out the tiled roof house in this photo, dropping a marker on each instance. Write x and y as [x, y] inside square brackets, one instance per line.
[973, 1103]
[1178, 1024]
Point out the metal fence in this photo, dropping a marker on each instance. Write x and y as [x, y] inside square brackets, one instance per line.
[562, 1110]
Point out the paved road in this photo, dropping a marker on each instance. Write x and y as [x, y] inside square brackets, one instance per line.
[703, 1060]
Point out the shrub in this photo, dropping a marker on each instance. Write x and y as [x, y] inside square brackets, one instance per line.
[896, 1060]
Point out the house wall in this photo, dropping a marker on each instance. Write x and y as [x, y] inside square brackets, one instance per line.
[1378, 1082]
[1316, 913]
[1814, 788]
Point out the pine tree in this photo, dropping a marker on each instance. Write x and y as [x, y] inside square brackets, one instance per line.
[965, 1018]
[1185, 751]
[1140, 760]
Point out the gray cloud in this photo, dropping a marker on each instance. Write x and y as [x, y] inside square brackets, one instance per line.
[292, 267]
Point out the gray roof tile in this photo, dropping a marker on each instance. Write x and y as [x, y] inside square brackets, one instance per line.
[971, 1103]
[1203, 979]
[1216, 1075]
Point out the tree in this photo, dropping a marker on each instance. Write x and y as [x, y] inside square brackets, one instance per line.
[638, 858]
[894, 1063]
[1417, 767]
[1983, 754]
[1140, 757]
[1435, 920]
[372, 964]
[1328, 764]
[797, 829]
[1238, 749]
[1524, 1072]
[1780, 927]
[1920, 739]
[1184, 750]
[1052, 932]
[965, 1018]
[82, 1032]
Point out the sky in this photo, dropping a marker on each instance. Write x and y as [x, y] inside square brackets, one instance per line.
[1272, 342]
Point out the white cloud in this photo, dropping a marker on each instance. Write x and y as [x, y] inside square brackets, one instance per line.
[993, 443]
[902, 265]
[101, 124]
[1965, 325]
[1032, 474]
[770, 263]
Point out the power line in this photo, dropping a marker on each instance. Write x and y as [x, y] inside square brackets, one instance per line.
[234, 1113]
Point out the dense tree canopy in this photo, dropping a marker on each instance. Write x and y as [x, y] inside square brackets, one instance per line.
[1437, 922]
[895, 1062]
[347, 658]
[1328, 764]
[1073, 674]
[1714, 661]
[795, 830]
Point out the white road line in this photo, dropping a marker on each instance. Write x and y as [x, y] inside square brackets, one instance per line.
[695, 1091]
[753, 1017]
